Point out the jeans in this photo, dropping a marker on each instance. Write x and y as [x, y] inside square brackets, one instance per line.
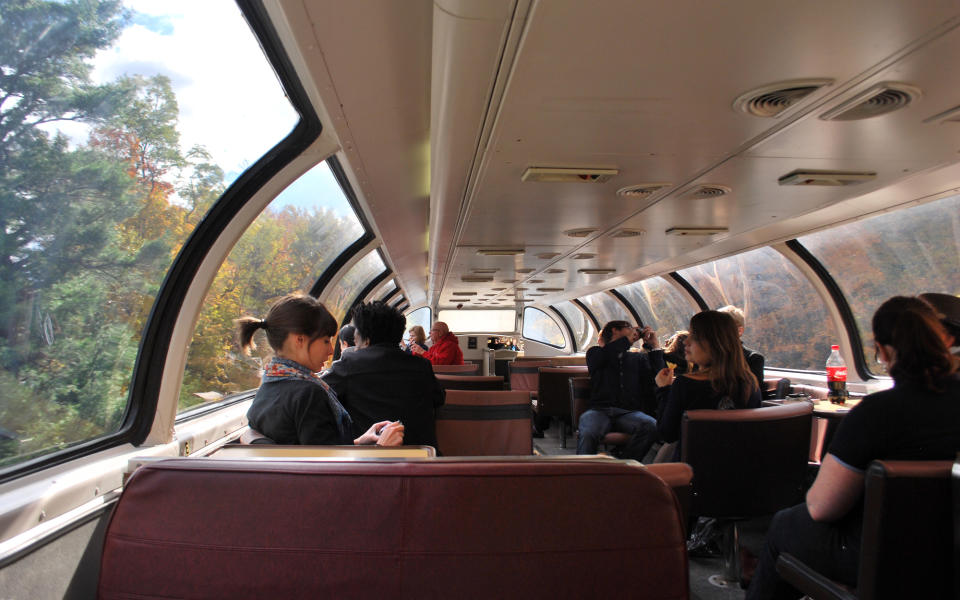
[831, 549]
[598, 422]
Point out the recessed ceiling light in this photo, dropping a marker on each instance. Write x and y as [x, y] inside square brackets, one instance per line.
[596, 271]
[696, 230]
[548, 255]
[567, 175]
[580, 232]
[500, 251]
[583, 256]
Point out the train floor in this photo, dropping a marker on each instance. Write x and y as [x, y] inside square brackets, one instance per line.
[751, 532]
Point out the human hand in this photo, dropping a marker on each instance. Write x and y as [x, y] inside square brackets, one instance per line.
[372, 435]
[664, 377]
[416, 349]
[650, 338]
[391, 434]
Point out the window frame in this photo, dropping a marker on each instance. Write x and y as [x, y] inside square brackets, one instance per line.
[566, 324]
[523, 322]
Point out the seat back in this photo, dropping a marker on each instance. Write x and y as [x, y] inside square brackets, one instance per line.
[435, 528]
[813, 391]
[569, 361]
[906, 549]
[579, 399]
[553, 395]
[775, 388]
[747, 462]
[525, 375]
[465, 369]
[484, 423]
[470, 382]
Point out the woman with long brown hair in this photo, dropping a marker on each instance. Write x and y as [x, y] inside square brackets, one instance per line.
[917, 419]
[722, 379]
[293, 405]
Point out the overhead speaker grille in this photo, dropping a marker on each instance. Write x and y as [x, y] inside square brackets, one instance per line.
[771, 100]
[879, 100]
[709, 190]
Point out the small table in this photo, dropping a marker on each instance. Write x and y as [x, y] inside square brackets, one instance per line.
[829, 415]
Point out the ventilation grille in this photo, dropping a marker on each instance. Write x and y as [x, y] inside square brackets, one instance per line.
[641, 190]
[464, 293]
[581, 232]
[524, 270]
[627, 233]
[771, 100]
[476, 279]
[708, 190]
[535, 281]
[596, 271]
[878, 100]
[550, 289]
[820, 177]
[583, 256]
[555, 271]
[548, 255]
[565, 175]
[485, 271]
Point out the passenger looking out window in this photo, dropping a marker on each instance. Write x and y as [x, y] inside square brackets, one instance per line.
[721, 381]
[293, 405]
[754, 359]
[444, 349]
[917, 419]
[616, 378]
[382, 382]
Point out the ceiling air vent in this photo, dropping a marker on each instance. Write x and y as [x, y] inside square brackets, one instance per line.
[555, 271]
[596, 271]
[708, 190]
[627, 233]
[463, 293]
[548, 255]
[500, 251]
[581, 232]
[524, 270]
[491, 294]
[549, 289]
[535, 281]
[567, 175]
[818, 177]
[696, 230]
[531, 294]
[485, 271]
[878, 100]
[771, 100]
[498, 289]
[642, 190]
[583, 256]
[476, 278]
[509, 280]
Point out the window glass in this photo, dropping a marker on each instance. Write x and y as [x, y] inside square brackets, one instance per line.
[480, 321]
[119, 133]
[906, 252]
[420, 317]
[583, 329]
[661, 306]
[285, 250]
[540, 327]
[383, 290]
[345, 291]
[786, 321]
[606, 308]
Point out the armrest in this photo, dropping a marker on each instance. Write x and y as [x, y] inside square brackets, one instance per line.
[808, 581]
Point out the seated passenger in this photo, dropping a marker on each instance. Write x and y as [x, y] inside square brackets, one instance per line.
[918, 419]
[417, 339]
[614, 388]
[675, 353]
[722, 379]
[755, 360]
[445, 349]
[948, 309]
[347, 337]
[381, 381]
[292, 405]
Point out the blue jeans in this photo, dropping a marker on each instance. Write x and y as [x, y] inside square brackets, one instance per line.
[598, 422]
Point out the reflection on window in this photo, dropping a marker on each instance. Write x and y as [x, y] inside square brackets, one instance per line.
[660, 305]
[606, 308]
[479, 321]
[785, 319]
[116, 141]
[345, 291]
[540, 327]
[583, 329]
[284, 250]
[420, 317]
[906, 252]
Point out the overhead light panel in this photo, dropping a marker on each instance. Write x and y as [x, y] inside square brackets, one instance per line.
[696, 230]
[548, 255]
[832, 178]
[596, 271]
[476, 278]
[485, 271]
[555, 271]
[524, 270]
[534, 281]
[464, 293]
[550, 289]
[580, 232]
[500, 251]
[583, 256]
[627, 233]
[567, 175]
[508, 280]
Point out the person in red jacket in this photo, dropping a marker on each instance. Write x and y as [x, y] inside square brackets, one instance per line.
[445, 349]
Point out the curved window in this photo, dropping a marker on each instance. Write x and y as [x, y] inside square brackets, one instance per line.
[583, 329]
[606, 308]
[420, 317]
[381, 292]
[285, 250]
[906, 252]
[786, 320]
[540, 327]
[116, 143]
[660, 305]
[345, 291]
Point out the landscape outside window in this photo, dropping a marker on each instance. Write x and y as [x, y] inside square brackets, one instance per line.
[540, 327]
[606, 308]
[904, 253]
[660, 305]
[345, 290]
[786, 319]
[583, 329]
[120, 126]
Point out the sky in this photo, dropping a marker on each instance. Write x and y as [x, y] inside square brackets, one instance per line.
[230, 99]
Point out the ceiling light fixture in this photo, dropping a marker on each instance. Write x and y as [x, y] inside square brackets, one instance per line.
[500, 251]
[696, 230]
[567, 175]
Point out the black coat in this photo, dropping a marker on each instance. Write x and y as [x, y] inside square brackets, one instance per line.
[623, 379]
[384, 383]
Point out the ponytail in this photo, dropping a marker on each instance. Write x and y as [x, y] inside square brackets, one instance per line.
[246, 327]
[294, 313]
[911, 327]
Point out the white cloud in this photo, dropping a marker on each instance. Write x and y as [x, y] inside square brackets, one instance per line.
[229, 97]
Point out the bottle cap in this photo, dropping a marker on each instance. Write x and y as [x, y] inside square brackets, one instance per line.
[834, 347]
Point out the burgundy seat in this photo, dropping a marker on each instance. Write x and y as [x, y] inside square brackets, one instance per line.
[525, 375]
[465, 369]
[449, 381]
[579, 399]
[484, 423]
[553, 396]
[198, 528]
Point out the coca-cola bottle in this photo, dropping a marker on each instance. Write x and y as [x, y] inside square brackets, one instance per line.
[836, 377]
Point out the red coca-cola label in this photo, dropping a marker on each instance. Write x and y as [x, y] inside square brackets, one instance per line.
[836, 373]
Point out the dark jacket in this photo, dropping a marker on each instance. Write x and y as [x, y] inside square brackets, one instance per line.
[623, 379]
[384, 383]
[755, 363]
[295, 412]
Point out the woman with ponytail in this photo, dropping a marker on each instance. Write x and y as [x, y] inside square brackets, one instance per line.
[917, 419]
[293, 405]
